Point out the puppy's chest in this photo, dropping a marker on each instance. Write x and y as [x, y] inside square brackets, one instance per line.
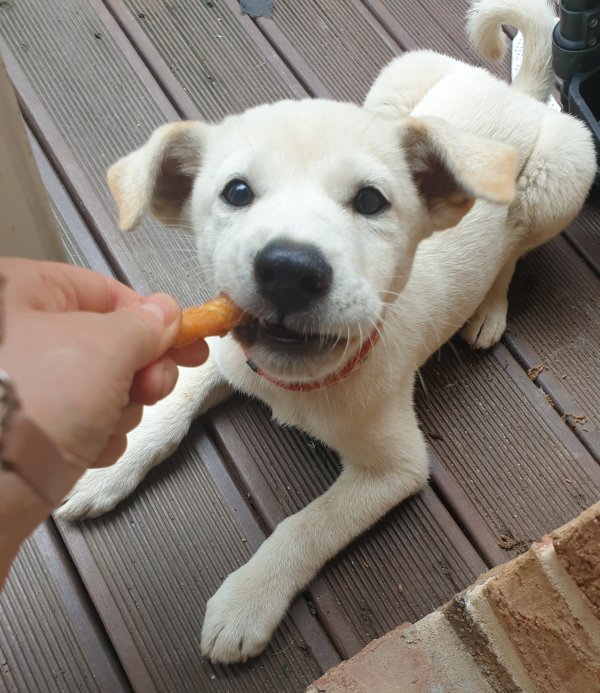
[302, 410]
[330, 414]
[320, 414]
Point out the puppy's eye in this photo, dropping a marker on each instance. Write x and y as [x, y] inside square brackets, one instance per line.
[369, 201]
[237, 193]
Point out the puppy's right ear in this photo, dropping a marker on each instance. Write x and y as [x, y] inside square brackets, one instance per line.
[159, 176]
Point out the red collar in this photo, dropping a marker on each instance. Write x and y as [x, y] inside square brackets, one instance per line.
[353, 363]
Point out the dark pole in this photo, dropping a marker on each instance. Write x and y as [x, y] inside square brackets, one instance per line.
[576, 41]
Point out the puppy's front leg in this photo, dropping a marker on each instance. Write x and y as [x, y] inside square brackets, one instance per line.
[386, 465]
[488, 323]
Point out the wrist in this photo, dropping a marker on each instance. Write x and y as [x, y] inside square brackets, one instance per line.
[21, 509]
[27, 452]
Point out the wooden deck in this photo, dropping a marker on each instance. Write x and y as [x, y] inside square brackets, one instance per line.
[117, 603]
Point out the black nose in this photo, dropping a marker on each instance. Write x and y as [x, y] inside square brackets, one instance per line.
[291, 275]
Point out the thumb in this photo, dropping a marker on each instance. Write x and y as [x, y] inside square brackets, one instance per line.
[143, 332]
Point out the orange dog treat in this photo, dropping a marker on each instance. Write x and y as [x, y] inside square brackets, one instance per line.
[212, 319]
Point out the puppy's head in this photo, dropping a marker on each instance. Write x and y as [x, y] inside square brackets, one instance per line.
[308, 214]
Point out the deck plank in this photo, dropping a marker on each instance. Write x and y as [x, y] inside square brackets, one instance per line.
[502, 442]
[209, 49]
[440, 26]
[555, 322]
[50, 639]
[153, 563]
[584, 233]
[341, 43]
[341, 47]
[80, 245]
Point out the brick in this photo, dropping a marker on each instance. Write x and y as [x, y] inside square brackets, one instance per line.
[396, 662]
[426, 657]
[555, 650]
[577, 546]
[529, 625]
[563, 583]
[452, 657]
[472, 633]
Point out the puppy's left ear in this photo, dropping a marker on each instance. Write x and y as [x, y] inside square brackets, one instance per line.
[159, 176]
[452, 168]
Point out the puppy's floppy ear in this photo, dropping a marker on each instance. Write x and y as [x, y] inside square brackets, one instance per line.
[452, 168]
[159, 175]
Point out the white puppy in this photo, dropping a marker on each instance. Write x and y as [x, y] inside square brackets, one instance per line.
[361, 239]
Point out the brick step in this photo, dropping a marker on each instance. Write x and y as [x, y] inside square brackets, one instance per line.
[529, 625]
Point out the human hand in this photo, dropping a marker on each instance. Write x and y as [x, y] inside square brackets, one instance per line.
[85, 353]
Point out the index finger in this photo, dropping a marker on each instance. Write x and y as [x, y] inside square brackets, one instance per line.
[56, 286]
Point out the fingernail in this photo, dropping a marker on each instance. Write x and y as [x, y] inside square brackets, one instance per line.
[162, 306]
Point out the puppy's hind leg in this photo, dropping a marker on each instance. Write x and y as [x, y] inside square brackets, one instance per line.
[405, 81]
[550, 193]
[163, 427]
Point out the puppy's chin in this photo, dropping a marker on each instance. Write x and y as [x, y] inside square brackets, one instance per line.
[291, 356]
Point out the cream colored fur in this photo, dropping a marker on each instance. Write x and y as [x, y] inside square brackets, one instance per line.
[451, 147]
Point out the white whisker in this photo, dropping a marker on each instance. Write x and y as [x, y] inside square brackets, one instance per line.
[347, 343]
[422, 381]
[384, 342]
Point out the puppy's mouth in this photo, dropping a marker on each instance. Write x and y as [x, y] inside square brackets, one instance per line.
[280, 339]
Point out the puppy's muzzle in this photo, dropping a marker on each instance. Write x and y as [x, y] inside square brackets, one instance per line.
[291, 276]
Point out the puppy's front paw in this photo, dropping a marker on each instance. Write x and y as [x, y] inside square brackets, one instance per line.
[240, 619]
[487, 324]
[97, 492]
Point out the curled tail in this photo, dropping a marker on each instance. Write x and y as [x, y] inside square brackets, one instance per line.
[535, 20]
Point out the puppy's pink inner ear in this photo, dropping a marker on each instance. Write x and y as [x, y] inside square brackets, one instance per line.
[172, 188]
[159, 176]
[451, 169]
[446, 200]
[436, 185]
